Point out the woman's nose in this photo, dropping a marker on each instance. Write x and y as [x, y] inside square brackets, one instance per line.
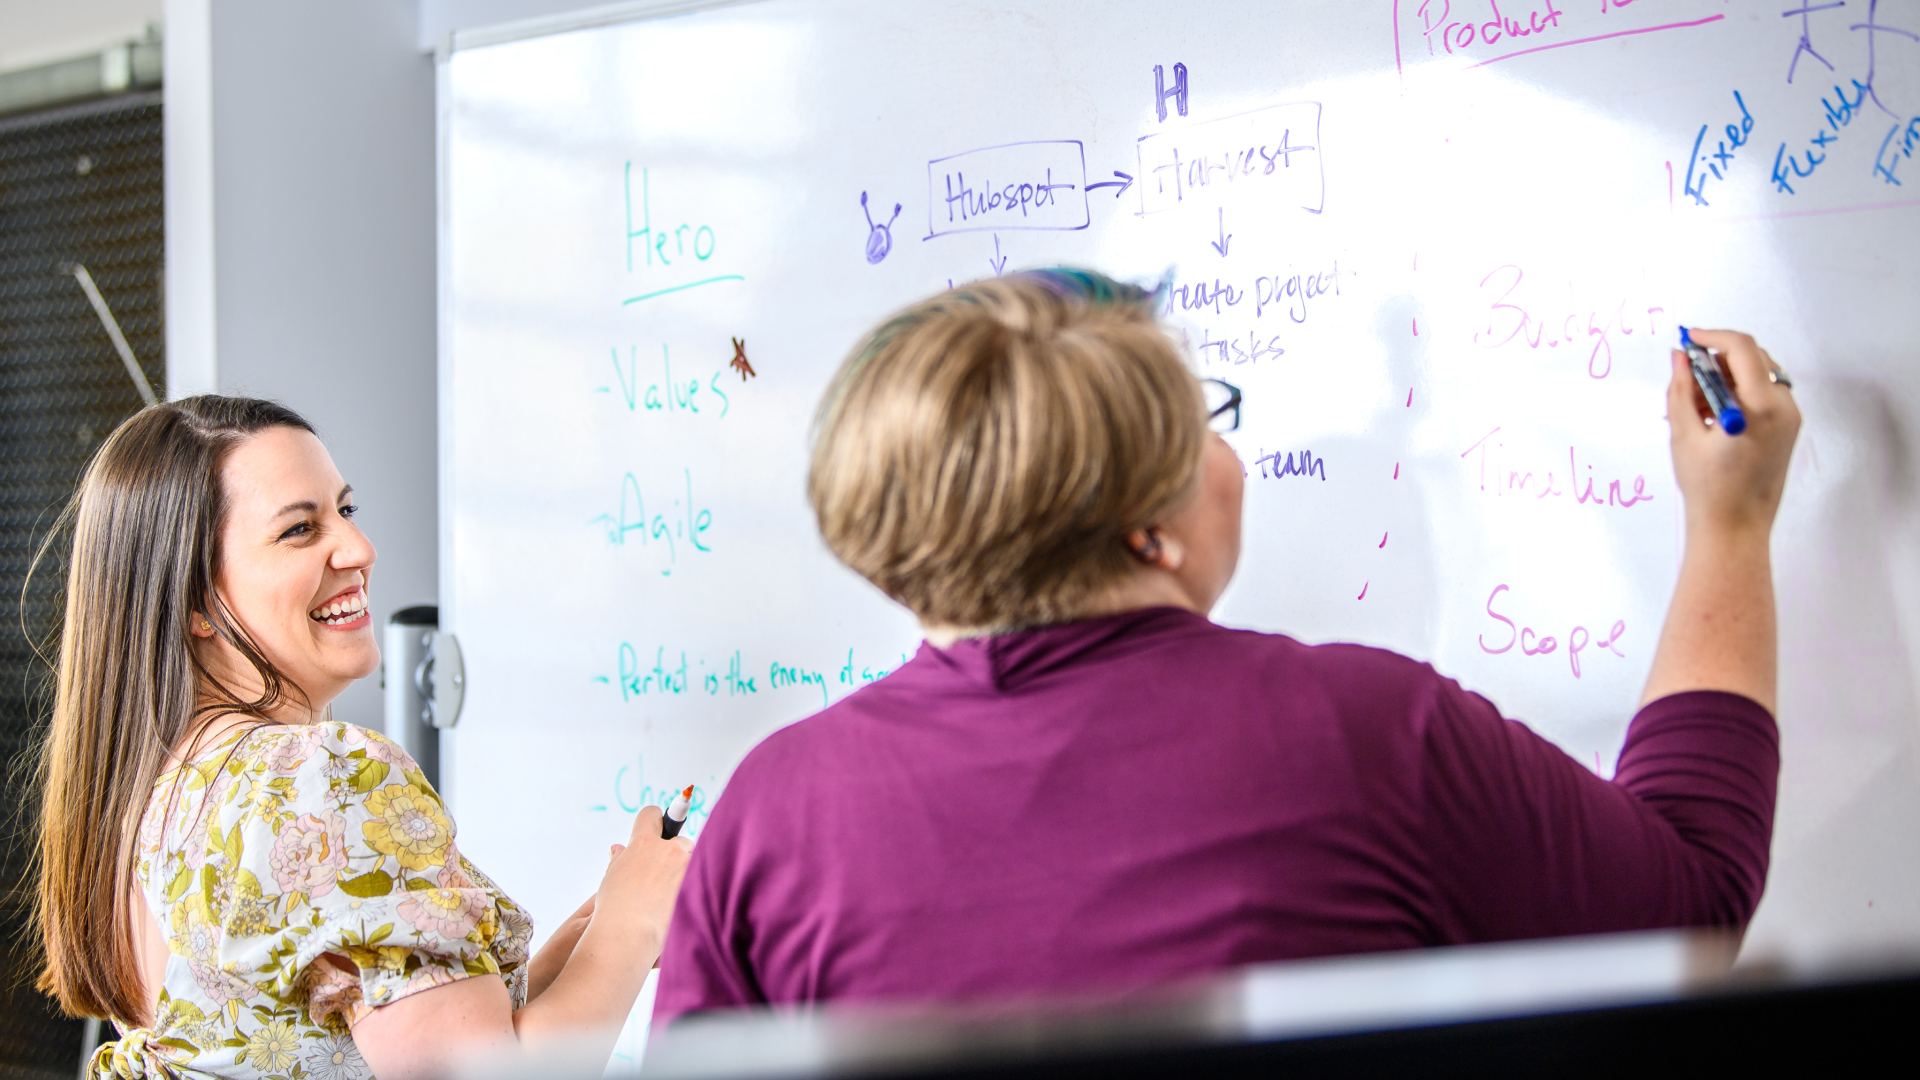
[354, 552]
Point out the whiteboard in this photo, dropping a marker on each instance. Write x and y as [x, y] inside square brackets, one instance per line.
[1444, 256]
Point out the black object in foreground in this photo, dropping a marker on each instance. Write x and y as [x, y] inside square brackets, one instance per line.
[676, 815]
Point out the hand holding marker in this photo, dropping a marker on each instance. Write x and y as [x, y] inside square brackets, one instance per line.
[676, 815]
[1713, 383]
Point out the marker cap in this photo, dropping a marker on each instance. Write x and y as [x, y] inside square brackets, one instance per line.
[1732, 420]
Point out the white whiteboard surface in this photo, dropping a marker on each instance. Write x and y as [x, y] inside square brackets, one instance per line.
[1443, 258]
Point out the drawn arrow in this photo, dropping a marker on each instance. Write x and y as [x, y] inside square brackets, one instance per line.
[1123, 183]
[999, 261]
[1226, 237]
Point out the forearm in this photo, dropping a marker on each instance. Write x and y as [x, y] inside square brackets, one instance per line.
[593, 994]
[1721, 631]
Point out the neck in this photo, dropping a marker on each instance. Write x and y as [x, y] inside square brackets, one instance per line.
[1143, 587]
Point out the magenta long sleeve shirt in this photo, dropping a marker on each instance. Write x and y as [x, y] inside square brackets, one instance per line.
[1116, 803]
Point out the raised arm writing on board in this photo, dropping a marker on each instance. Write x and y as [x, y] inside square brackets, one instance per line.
[1720, 632]
[574, 1019]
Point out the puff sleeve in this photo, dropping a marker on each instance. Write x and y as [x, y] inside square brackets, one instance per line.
[327, 839]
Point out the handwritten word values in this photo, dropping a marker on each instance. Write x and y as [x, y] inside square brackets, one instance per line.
[656, 389]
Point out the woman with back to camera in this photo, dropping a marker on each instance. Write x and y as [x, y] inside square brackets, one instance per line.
[1081, 784]
[245, 887]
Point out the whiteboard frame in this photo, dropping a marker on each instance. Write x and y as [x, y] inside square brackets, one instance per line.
[601, 15]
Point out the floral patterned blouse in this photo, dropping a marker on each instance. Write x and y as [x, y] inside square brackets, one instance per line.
[283, 843]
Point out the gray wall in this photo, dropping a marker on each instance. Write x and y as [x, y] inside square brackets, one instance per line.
[301, 247]
[321, 125]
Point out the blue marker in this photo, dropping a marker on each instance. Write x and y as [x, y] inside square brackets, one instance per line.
[1713, 383]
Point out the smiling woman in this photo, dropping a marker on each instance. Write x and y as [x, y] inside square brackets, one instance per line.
[281, 892]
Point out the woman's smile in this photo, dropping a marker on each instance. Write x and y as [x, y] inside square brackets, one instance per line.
[345, 611]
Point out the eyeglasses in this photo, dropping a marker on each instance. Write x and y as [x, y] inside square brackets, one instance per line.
[1223, 405]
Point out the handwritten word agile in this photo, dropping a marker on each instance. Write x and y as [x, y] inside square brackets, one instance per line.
[687, 524]
[1840, 113]
[1533, 644]
[669, 394]
[1717, 161]
[1509, 321]
[1274, 150]
[1031, 185]
[1893, 153]
[781, 676]
[1502, 476]
[1279, 465]
[1436, 20]
[1290, 293]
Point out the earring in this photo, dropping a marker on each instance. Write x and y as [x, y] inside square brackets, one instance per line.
[205, 625]
[1149, 551]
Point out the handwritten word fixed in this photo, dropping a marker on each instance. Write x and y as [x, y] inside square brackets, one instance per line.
[1279, 465]
[1840, 112]
[1717, 161]
[1508, 478]
[687, 524]
[1509, 321]
[667, 394]
[1029, 185]
[1532, 643]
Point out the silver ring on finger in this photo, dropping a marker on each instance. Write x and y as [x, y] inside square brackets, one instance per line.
[1778, 376]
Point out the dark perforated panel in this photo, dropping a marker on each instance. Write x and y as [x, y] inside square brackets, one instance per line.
[76, 185]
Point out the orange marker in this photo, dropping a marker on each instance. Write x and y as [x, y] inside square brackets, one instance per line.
[676, 815]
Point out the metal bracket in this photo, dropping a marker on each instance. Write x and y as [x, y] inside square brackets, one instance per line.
[442, 677]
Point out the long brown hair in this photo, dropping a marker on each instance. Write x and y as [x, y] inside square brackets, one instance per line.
[129, 689]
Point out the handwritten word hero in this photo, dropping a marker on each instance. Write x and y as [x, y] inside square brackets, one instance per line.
[1029, 185]
[673, 258]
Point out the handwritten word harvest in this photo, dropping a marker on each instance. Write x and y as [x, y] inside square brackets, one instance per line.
[1531, 643]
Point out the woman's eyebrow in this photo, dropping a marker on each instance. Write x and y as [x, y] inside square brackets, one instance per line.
[306, 507]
